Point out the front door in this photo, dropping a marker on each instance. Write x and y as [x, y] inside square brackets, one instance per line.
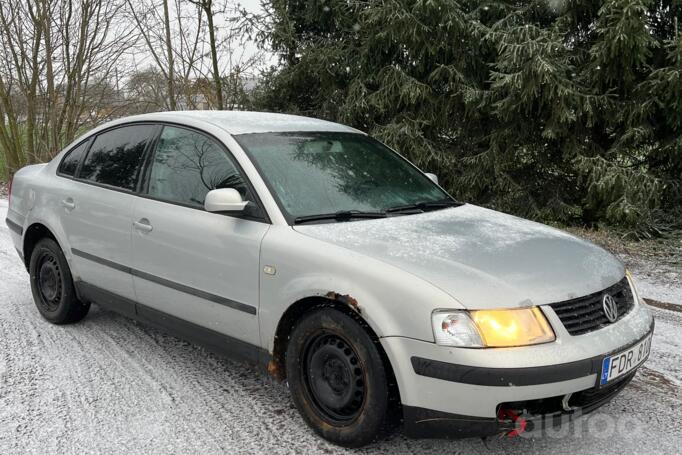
[194, 265]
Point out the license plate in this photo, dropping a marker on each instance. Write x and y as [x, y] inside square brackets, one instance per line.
[622, 363]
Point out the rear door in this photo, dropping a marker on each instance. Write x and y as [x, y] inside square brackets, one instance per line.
[96, 207]
[194, 265]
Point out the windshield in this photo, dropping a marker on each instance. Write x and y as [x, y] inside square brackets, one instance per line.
[322, 173]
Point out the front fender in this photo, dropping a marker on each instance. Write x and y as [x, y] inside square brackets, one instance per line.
[393, 302]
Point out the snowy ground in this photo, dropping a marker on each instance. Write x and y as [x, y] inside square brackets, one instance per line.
[662, 284]
[109, 385]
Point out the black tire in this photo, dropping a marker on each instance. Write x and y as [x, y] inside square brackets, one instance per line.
[337, 378]
[52, 285]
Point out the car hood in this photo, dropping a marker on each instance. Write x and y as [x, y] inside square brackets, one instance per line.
[482, 258]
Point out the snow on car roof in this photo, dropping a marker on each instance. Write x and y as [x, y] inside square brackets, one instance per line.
[242, 122]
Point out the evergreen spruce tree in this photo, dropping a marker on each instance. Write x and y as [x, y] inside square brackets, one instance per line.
[559, 110]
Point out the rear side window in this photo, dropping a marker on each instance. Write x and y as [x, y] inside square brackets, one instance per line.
[116, 156]
[187, 165]
[70, 162]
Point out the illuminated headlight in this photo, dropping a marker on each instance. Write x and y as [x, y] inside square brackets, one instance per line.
[633, 288]
[491, 328]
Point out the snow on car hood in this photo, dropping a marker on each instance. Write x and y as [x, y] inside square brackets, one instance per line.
[482, 258]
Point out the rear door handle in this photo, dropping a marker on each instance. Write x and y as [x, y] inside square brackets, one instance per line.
[69, 204]
[143, 225]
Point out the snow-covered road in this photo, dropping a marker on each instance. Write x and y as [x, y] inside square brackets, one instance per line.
[110, 385]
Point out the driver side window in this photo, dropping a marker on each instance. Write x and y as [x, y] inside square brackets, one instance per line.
[187, 165]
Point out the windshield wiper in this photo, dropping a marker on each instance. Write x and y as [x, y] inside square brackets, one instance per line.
[341, 215]
[424, 206]
[347, 215]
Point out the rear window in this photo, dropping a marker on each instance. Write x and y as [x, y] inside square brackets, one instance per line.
[116, 156]
[70, 162]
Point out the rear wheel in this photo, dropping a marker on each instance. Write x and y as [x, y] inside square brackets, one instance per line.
[52, 285]
[337, 378]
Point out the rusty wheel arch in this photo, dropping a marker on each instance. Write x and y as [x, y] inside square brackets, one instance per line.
[347, 305]
[342, 302]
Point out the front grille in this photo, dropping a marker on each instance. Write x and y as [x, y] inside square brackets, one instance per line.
[586, 314]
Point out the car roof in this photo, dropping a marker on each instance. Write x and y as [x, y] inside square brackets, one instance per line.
[243, 122]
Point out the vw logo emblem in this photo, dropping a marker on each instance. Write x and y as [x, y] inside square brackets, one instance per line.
[610, 307]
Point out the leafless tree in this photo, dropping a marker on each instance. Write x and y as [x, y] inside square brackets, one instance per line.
[66, 65]
[57, 61]
[153, 21]
[207, 7]
[205, 50]
[169, 51]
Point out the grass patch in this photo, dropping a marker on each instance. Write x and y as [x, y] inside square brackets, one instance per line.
[665, 251]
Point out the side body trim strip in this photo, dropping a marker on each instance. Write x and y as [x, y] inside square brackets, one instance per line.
[168, 283]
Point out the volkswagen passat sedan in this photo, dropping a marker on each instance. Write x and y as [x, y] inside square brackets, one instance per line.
[322, 255]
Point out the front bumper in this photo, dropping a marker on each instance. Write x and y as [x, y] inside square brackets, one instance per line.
[536, 415]
[456, 392]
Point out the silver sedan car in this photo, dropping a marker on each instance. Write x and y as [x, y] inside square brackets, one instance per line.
[316, 252]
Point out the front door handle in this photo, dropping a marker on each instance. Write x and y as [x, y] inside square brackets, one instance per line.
[69, 204]
[143, 225]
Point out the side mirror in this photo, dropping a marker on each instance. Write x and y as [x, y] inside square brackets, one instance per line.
[224, 200]
[433, 177]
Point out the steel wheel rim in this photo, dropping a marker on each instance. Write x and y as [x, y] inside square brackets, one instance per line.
[334, 379]
[49, 281]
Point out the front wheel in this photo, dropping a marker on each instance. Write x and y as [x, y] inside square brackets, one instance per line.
[52, 285]
[337, 378]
